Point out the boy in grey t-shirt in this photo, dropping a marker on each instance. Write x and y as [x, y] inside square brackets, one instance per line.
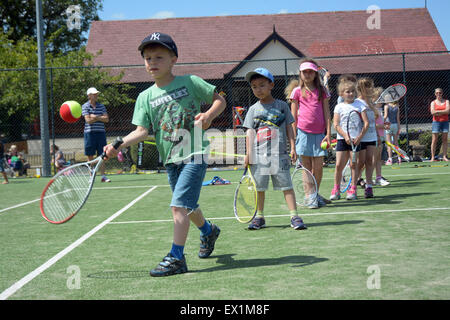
[269, 126]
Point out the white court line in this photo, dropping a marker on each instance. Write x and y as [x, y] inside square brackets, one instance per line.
[302, 215]
[19, 284]
[19, 205]
[166, 185]
[98, 188]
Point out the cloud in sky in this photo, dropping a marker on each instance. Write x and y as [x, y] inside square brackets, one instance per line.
[118, 16]
[163, 15]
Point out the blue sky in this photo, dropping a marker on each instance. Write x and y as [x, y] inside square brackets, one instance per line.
[145, 9]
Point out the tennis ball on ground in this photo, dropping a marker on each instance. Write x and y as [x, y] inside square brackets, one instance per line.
[324, 145]
[70, 111]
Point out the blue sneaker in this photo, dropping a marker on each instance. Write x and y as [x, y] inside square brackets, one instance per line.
[169, 266]
[207, 242]
[297, 223]
[257, 223]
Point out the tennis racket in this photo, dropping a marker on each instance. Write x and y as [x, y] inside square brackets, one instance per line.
[67, 192]
[346, 177]
[322, 72]
[245, 198]
[401, 153]
[393, 93]
[305, 186]
[354, 128]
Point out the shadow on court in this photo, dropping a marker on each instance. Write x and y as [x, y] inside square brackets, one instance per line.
[409, 182]
[17, 180]
[226, 261]
[390, 199]
[332, 223]
[313, 225]
[229, 263]
[120, 274]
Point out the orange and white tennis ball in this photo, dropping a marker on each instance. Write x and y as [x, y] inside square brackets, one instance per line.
[324, 145]
[70, 111]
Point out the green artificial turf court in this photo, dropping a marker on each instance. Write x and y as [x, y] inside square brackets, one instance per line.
[394, 246]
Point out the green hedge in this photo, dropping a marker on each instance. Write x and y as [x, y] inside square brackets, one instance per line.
[425, 140]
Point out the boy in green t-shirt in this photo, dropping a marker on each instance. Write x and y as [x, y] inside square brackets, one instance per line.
[171, 107]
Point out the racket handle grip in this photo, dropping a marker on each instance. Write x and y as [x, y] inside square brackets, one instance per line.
[117, 142]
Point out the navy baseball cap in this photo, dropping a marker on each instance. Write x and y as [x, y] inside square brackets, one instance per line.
[160, 38]
[261, 71]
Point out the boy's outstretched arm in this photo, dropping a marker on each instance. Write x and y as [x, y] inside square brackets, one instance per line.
[205, 119]
[139, 134]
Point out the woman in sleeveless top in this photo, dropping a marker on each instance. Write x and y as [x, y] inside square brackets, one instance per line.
[439, 109]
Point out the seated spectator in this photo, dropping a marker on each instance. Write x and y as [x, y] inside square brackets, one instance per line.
[17, 161]
[57, 157]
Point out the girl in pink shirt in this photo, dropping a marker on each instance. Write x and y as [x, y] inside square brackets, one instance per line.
[310, 108]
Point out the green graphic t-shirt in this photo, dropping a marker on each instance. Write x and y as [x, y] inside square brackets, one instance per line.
[170, 112]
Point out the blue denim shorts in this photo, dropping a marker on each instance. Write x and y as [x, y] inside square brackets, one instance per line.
[393, 129]
[437, 126]
[94, 143]
[278, 171]
[308, 144]
[186, 180]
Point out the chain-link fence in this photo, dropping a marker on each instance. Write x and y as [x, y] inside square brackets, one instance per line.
[120, 86]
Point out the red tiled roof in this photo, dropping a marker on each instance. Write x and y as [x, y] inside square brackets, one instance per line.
[233, 38]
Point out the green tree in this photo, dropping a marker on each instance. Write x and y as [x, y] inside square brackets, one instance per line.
[18, 20]
[19, 92]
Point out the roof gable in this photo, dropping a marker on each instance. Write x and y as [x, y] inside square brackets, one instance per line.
[273, 48]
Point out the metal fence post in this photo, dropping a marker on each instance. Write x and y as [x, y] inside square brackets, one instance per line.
[285, 73]
[52, 113]
[43, 103]
[406, 102]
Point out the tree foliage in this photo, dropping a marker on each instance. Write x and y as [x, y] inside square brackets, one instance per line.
[18, 20]
[69, 74]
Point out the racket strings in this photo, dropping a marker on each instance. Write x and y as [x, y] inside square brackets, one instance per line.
[67, 193]
[304, 186]
[346, 178]
[245, 199]
[392, 93]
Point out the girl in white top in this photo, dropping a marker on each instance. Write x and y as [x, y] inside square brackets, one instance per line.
[365, 88]
[347, 90]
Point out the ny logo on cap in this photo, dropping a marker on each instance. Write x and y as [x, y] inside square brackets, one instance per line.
[155, 36]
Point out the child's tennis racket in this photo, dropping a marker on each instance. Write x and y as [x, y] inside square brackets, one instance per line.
[393, 93]
[322, 73]
[401, 153]
[67, 192]
[354, 128]
[346, 177]
[305, 186]
[245, 198]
